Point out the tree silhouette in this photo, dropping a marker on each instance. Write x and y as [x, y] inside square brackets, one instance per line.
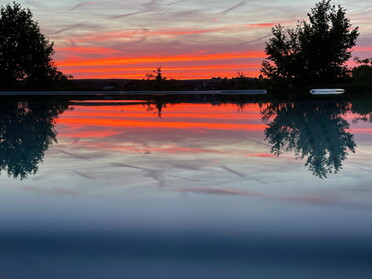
[312, 131]
[25, 53]
[313, 52]
[363, 72]
[156, 80]
[26, 132]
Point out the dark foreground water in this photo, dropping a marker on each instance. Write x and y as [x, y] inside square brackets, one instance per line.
[123, 189]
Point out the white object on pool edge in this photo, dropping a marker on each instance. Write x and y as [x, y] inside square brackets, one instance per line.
[326, 91]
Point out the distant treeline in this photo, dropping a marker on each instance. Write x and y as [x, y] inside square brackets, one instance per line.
[216, 83]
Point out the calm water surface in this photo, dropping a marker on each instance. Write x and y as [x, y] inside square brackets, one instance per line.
[124, 189]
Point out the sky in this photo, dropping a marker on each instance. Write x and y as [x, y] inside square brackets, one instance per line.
[189, 39]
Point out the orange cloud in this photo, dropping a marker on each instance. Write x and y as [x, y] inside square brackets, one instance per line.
[363, 48]
[106, 69]
[261, 155]
[178, 66]
[181, 76]
[170, 70]
[362, 130]
[175, 58]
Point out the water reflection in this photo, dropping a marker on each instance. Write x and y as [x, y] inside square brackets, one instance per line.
[311, 130]
[156, 107]
[26, 132]
[314, 131]
[364, 110]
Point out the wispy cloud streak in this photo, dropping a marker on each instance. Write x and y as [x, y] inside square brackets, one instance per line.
[81, 5]
[239, 5]
[70, 27]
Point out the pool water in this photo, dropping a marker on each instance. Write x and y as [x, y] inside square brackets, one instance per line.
[143, 189]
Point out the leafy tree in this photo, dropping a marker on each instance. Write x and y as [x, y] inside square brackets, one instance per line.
[156, 75]
[25, 53]
[314, 51]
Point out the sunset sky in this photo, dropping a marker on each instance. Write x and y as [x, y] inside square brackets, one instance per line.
[187, 38]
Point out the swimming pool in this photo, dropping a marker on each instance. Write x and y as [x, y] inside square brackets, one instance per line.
[149, 189]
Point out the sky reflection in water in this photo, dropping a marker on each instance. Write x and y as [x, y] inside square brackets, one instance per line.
[197, 188]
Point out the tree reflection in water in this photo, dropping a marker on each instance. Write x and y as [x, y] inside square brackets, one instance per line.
[364, 110]
[26, 132]
[315, 131]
